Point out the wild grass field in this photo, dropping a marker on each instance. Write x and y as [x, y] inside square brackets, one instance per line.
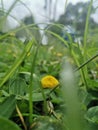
[50, 86]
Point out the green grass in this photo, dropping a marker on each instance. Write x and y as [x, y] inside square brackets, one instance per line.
[73, 105]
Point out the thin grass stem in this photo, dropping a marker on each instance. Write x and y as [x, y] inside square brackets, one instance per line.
[31, 87]
[85, 35]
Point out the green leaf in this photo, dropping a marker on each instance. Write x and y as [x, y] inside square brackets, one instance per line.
[36, 97]
[93, 84]
[18, 87]
[7, 107]
[92, 114]
[6, 124]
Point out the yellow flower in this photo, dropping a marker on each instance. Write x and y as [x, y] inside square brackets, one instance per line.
[49, 82]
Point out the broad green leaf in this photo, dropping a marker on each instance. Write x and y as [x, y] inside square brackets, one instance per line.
[7, 107]
[6, 124]
[36, 97]
[18, 87]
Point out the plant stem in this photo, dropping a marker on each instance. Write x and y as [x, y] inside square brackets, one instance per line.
[85, 35]
[21, 118]
[31, 87]
[89, 60]
[45, 99]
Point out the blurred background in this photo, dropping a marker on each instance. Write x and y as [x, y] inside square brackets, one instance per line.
[71, 14]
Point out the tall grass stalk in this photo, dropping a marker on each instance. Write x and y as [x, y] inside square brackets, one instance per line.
[85, 36]
[72, 118]
[31, 87]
